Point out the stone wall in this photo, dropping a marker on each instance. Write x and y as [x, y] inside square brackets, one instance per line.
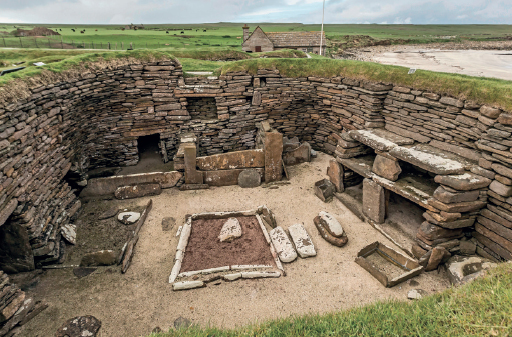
[95, 120]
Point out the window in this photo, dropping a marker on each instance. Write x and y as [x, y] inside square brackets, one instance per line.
[258, 49]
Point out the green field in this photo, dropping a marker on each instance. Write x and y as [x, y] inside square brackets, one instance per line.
[228, 35]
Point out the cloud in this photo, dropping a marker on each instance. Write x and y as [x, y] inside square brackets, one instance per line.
[306, 11]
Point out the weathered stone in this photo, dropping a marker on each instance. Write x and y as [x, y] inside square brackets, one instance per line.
[10, 308]
[283, 245]
[416, 294]
[503, 170]
[268, 216]
[249, 178]
[450, 224]
[438, 255]
[325, 190]
[230, 230]
[335, 172]
[408, 134]
[6, 211]
[21, 313]
[83, 271]
[331, 224]
[256, 98]
[15, 251]
[463, 182]
[193, 187]
[300, 155]
[69, 233]
[433, 232]
[192, 176]
[182, 323]
[380, 139]
[429, 158]
[374, 202]
[81, 326]
[185, 285]
[225, 177]
[505, 119]
[128, 218]
[302, 241]
[462, 270]
[467, 247]
[490, 112]
[99, 258]
[168, 223]
[505, 232]
[501, 189]
[112, 211]
[448, 197]
[386, 168]
[417, 251]
[273, 156]
[137, 191]
[232, 160]
[468, 206]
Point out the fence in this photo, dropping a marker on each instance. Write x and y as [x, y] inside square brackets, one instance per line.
[59, 43]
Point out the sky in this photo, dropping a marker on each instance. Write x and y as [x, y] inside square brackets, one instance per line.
[304, 11]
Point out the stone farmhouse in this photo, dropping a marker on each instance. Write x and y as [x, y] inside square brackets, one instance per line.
[259, 41]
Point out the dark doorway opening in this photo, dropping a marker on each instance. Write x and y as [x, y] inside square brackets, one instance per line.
[147, 147]
[150, 157]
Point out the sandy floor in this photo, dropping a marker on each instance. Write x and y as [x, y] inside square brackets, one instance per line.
[136, 302]
[487, 63]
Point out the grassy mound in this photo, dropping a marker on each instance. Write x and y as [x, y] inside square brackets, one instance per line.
[478, 89]
[482, 308]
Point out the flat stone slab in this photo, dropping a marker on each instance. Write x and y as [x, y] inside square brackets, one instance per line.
[332, 225]
[325, 190]
[361, 165]
[300, 155]
[302, 241]
[128, 218]
[380, 139]
[463, 182]
[137, 191]
[99, 258]
[465, 269]
[69, 233]
[417, 189]
[249, 178]
[432, 159]
[230, 230]
[225, 177]
[82, 326]
[232, 160]
[109, 213]
[283, 245]
[185, 285]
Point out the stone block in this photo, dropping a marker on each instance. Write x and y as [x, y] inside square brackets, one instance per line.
[459, 207]
[433, 232]
[331, 224]
[429, 158]
[300, 155]
[273, 145]
[374, 201]
[192, 176]
[501, 189]
[7, 210]
[463, 182]
[224, 177]
[335, 172]
[249, 178]
[302, 241]
[325, 190]
[99, 258]
[464, 269]
[386, 168]
[232, 160]
[230, 230]
[467, 247]
[283, 245]
[137, 191]
[448, 197]
[439, 254]
[80, 326]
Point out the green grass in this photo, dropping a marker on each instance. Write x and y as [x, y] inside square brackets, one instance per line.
[479, 89]
[481, 308]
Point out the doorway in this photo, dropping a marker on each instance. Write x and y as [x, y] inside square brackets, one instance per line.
[150, 157]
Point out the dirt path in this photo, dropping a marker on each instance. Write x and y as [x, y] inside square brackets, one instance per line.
[136, 302]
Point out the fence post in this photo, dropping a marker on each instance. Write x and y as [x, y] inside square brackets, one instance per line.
[108, 45]
[4, 42]
[21, 44]
[61, 43]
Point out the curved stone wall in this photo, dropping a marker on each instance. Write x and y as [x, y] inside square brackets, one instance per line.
[95, 121]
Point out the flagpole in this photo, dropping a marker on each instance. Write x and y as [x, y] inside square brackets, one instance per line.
[322, 31]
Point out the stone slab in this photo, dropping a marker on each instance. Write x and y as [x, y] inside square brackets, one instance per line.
[451, 224]
[386, 168]
[99, 258]
[7, 210]
[80, 327]
[380, 139]
[185, 285]
[374, 202]
[192, 176]
[431, 159]
[408, 134]
[302, 241]
[225, 177]
[137, 191]
[232, 160]
[458, 207]
[324, 190]
[300, 155]
[249, 178]
[360, 165]
[108, 185]
[464, 269]
[230, 230]
[335, 172]
[283, 245]
[463, 182]
[273, 145]
[331, 224]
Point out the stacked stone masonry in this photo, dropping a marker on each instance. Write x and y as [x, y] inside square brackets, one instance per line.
[95, 120]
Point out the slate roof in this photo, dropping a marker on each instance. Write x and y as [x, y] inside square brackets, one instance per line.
[295, 39]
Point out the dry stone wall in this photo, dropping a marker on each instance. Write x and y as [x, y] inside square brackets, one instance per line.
[95, 121]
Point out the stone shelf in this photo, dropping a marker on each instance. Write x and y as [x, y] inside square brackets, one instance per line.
[432, 159]
[360, 165]
[410, 186]
[380, 139]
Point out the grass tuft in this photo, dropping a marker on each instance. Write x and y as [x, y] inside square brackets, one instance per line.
[481, 308]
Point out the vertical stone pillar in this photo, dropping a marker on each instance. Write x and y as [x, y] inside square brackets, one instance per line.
[273, 156]
[374, 201]
[335, 172]
[192, 176]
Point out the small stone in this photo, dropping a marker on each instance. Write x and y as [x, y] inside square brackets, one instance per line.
[467, 247]
[108, 213]
[81, 326]
[249, 178]
[69, 233]
[230, 230]
[157, 330]
[185, 285]
[283, 245]
[137, 191]
[501, 189]
[465, 269]
[182, 323]
[128, 218]
[437, 256]
[416, 294]
[168, 224]
[332, 225]
[417, 251]
[82, 183]
[100, 258]
[335, 172]
[83, 271]
[443, 195]
[386, 168]
[463, 182]
[303, 243]
[324, 189]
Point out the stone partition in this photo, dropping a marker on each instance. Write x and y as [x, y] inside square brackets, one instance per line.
[95, 120]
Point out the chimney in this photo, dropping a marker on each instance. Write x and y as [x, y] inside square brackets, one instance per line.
[245, 29]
